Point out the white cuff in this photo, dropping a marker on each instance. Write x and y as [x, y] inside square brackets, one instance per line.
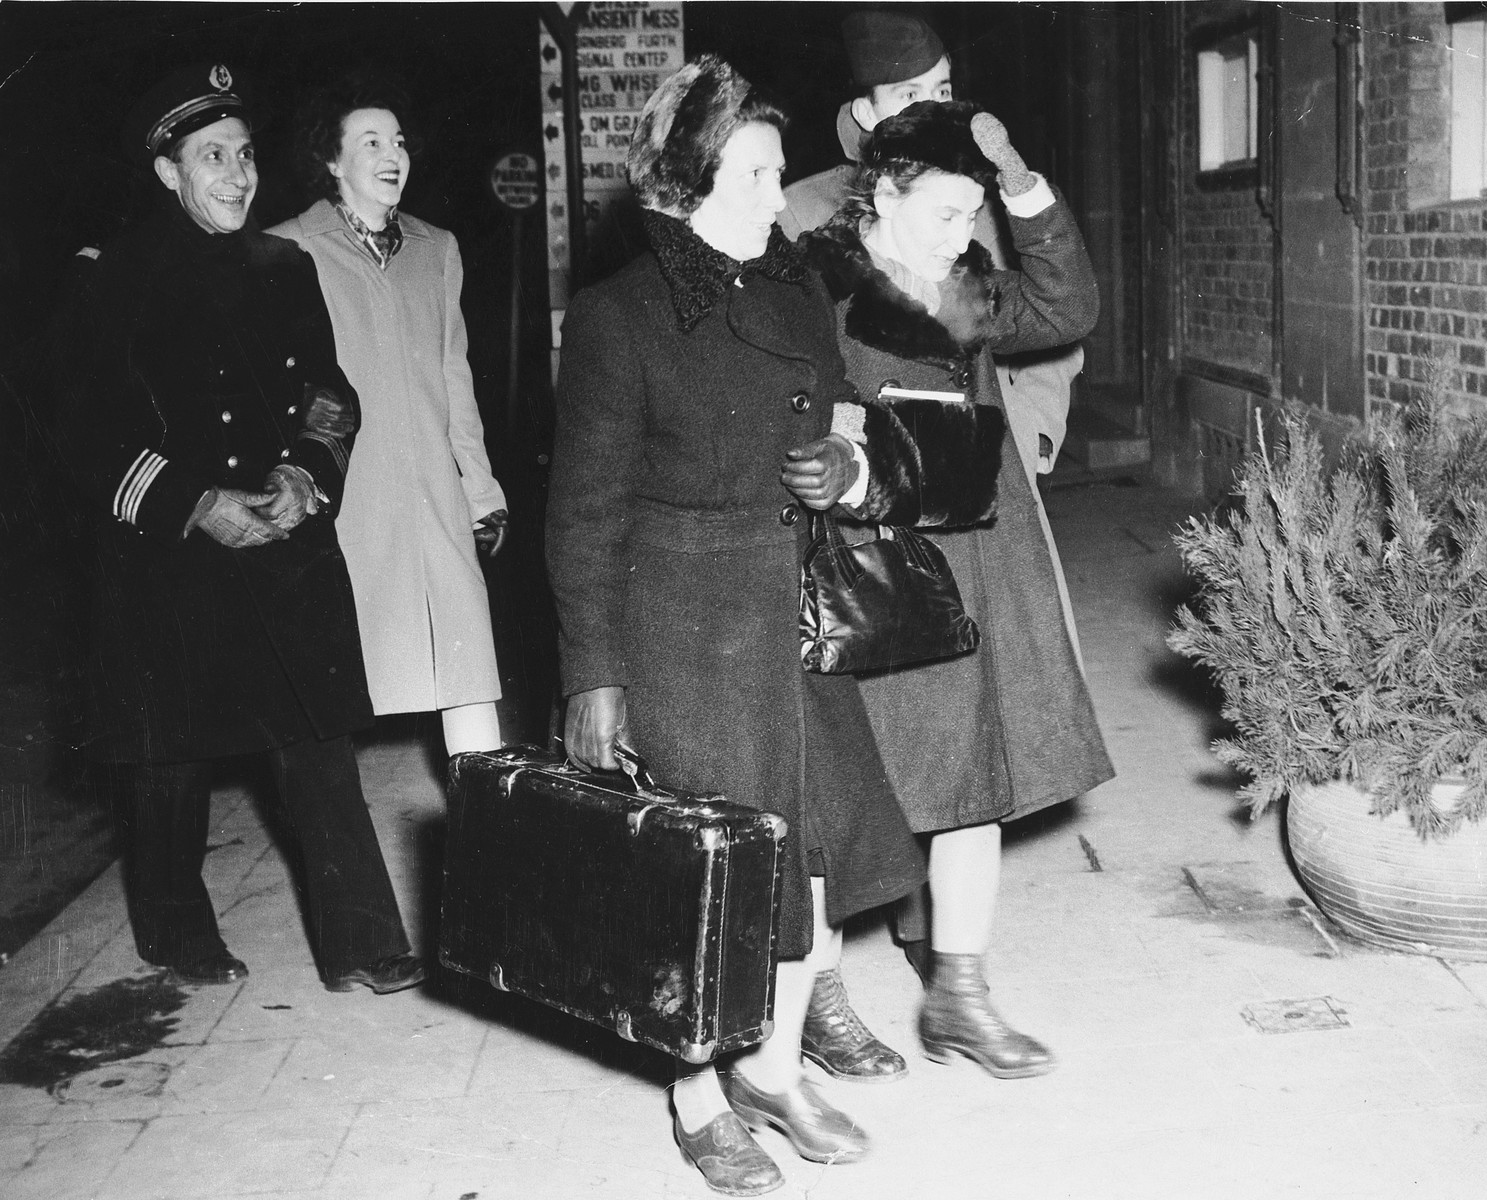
[1031, 202]
[857, 493]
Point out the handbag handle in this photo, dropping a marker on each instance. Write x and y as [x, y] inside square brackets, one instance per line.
[826, 531]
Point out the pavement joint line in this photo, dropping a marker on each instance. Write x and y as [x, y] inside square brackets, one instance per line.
[1089, 853]
[1316, 923]
[1192, 882]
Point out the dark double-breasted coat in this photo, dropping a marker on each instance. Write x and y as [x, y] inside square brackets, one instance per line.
[1010, 728]
[193, 356]
[674, 552]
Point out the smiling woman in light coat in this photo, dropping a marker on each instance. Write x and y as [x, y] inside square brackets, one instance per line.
[419, 491]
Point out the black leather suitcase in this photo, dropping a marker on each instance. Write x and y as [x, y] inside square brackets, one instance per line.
[649, 911]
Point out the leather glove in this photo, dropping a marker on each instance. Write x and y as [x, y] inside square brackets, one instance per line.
[819, 473]
[227, 516]
[292, 497]
[490, 532]
[325, 413]
[991, 137]
[595, 721]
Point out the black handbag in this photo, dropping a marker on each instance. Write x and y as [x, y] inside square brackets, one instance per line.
[882, 603]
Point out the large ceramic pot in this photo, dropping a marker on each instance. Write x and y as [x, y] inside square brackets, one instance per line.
[1381, 882]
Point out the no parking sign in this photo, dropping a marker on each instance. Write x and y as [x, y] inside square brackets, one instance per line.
[516, 181]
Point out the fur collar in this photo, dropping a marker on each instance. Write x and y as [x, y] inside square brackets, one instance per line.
[881, 315]
[698, 275]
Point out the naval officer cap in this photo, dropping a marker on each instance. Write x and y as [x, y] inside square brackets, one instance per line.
[183, 102]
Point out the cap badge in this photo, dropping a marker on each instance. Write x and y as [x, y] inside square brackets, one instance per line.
[220, 78]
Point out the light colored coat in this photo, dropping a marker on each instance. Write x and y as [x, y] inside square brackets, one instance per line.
[420, 476]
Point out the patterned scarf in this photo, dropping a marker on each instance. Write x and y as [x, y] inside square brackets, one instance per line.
[382, 243]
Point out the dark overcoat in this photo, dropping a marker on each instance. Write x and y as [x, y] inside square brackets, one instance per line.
[193, 356]
[674, 553]
[1010, 728]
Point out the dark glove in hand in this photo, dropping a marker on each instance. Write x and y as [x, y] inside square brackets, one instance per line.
[227, 515]
[490, 533]
[819, 473]
[596, 720]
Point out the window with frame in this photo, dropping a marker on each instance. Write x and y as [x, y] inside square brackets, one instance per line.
[1228, 103]
[1468, 41]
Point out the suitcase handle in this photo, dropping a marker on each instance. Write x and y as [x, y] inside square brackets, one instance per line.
[634, 766]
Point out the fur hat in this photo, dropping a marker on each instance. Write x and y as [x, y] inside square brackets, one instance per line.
[935, 133]
[682, 130]
[886, 47]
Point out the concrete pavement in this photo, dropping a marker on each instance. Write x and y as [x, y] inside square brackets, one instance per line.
[1215, 1038]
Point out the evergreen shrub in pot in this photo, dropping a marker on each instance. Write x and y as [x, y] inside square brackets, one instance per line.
[1343, 612]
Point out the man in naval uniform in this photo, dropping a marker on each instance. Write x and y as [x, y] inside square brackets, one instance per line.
[209, 433]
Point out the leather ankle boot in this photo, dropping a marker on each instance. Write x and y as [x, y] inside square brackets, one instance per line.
[957, 1016]
[836, 1040]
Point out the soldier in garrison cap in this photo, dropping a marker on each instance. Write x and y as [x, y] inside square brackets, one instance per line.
[898, 60]
[209, 435]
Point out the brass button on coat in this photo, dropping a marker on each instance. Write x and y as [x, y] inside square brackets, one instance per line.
[226, 417]
[800, 402]
[232, 460]
[789, 514]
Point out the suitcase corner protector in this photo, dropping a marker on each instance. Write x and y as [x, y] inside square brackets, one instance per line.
[698, 1052]
[498, 978]
[778, 826]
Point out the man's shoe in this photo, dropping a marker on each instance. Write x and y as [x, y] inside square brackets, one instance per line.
[836, 1040]
[730, 1160]
[215, 968]
[819, 1132]
[390, 974]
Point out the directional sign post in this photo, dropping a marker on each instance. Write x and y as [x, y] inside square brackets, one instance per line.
[625, 50]
[516, 183]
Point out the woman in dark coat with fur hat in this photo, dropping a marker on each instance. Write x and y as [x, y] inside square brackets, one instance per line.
[1010, 729]
[695, 408]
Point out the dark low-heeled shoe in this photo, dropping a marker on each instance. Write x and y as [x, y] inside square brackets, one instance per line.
[819, 1132]
[215, 968]
[390, 974]
[836, 1040]
[730, 1160]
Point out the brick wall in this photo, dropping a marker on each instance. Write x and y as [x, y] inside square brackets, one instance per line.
[1426, 288]
[1227, 256]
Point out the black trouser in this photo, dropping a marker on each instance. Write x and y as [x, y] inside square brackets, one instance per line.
[350, 907]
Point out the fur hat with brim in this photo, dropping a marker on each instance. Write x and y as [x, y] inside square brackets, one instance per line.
[934, 133]
[681, 133]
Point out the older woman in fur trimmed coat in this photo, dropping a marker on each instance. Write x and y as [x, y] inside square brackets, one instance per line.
[695, 406]
[1009, 729]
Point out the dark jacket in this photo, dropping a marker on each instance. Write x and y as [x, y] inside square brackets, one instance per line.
[1009, 728]
[674, 553]
[193, 356]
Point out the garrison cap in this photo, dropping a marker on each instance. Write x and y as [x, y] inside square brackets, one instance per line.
[886, 47]
[183, 102]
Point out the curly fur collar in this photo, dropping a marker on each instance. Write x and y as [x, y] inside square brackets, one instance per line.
[698, 275]
[881, 315]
